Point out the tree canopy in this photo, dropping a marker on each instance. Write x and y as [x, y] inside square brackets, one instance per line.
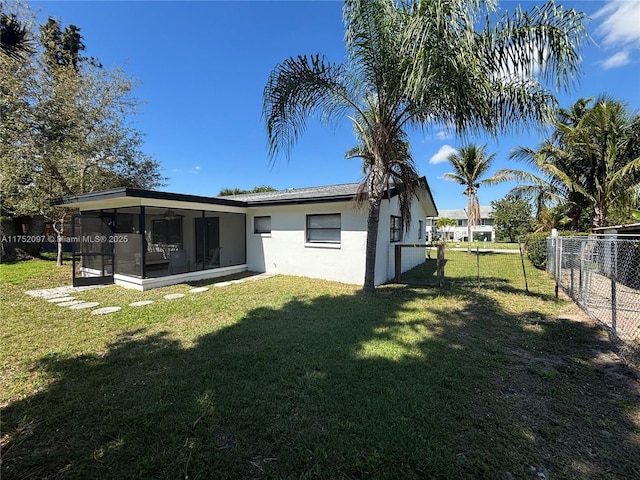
[238, 191]
[65, 123]
[415, 64]
[512, 217]
[591, 161]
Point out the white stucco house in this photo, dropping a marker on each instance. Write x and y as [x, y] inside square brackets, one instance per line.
[144, 239]
[483, 231]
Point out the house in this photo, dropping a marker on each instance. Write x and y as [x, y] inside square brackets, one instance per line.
[483, 231]
[144, 239]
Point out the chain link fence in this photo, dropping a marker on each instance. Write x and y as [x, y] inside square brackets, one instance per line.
[602, 275]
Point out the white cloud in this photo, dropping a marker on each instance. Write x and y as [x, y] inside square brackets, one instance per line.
[443, 154]
[443, 135]
[619, 27]
[617, 60]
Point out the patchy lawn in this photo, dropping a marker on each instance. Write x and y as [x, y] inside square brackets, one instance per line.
[297, 378]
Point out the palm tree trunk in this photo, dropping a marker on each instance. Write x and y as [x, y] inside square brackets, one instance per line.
[599, 216]
[373, 220]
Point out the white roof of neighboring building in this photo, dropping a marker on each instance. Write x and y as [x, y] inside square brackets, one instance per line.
[485, 212]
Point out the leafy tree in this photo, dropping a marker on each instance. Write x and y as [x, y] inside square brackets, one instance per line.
[470, 164]
[414, 64]
[512, 217]
[592, 160]
[65, 130]
[238, 191]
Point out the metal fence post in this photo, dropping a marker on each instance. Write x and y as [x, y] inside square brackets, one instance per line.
[558, 260]
[614, 268]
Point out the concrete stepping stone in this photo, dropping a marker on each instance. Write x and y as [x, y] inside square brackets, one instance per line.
[237, 281]
[105, 310]
[69, 303]
[222, 284]
[61, 299]
[141, 303]
[82, 305]
[173, 296]
[199, 290]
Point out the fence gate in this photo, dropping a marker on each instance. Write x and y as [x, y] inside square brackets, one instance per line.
[92, 249]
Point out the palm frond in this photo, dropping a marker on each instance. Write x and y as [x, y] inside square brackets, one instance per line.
[297, 89]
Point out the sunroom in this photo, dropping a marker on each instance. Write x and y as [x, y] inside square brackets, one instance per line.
[144, 239]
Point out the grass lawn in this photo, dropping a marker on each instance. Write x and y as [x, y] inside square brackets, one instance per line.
[294, 378]
[483, 245]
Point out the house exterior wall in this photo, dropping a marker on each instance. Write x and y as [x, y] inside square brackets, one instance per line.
[286, 251]
[385, 261]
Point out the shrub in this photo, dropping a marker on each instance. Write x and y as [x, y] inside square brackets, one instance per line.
[535, 245]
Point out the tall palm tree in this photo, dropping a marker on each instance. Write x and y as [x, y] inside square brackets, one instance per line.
[470, 164]
[591, 160]
[419, 63]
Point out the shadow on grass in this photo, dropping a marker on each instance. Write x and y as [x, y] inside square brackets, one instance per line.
[402, 384]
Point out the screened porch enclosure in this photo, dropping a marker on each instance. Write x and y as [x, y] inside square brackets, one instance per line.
[150, 242]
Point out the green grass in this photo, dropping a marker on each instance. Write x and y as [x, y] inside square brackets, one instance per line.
[297, 378]
[483, 245]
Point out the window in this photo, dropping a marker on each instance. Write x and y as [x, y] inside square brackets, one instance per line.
[261, 224]
[462, 223]
[167, 231]
[396, 228]
[420, 229]
[429, 222]
[487, 221]
[323, 228]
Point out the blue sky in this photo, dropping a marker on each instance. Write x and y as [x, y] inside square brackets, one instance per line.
[202, 67]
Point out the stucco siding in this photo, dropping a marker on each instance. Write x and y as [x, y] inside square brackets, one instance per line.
[386, 248]
[286, 251]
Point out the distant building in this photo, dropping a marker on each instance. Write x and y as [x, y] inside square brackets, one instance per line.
[483, 231]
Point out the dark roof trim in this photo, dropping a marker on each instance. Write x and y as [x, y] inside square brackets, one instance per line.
[151, 194]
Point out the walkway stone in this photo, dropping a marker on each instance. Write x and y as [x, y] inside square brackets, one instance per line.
[141, 303]
[173, 296]
[70, 303]
[105, 310]
[60, 299]
[48, 293]
[199, 290]
[82, 305]
[222, 284]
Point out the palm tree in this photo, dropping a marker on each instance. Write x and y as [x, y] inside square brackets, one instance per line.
[592, 160]
[15, 41]
[470, 164]
[554, 187]
[419, 63]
